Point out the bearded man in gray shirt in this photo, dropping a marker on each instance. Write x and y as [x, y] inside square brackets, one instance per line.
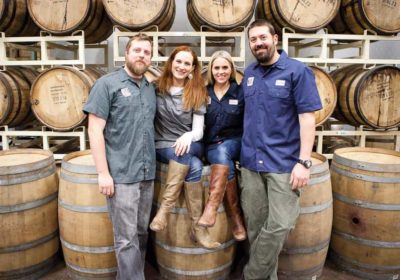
[121, 110]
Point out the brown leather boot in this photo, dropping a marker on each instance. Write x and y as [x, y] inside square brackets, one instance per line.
[173, 186]
[218, 180]
[234, 211]
[194, 203]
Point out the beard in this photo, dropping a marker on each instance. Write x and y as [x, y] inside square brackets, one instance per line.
[264, 57]
[136, 69]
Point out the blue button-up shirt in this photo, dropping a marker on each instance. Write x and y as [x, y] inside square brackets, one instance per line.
[274, 97]
[224, 118]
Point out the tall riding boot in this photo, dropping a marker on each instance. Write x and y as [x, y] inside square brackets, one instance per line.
[194, 202]
[173, 186]
[234, 211]
[218, 180]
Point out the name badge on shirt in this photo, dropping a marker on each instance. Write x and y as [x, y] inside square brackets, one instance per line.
[209, 100]
[280, 83]
[250, 81]
[125, 92]
[233, 102]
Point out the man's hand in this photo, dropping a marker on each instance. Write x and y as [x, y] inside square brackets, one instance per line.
[299, 177]
[106, 184]
[182, 144]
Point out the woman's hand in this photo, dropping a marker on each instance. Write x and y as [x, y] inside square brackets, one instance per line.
[182, 144]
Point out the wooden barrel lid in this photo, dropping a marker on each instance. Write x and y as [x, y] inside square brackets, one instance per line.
[304, 15]
[384, 15]
[370, 155]
[80, 158]
[61, 17]
[327, 93]
[134, 14]
[58, 96]
[5, 98]
[220, 14]
[25, 159]
[378, 97]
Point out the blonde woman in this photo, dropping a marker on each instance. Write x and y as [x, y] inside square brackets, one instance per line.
[224, 128]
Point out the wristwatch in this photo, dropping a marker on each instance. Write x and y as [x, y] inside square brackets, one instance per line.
[306, 163]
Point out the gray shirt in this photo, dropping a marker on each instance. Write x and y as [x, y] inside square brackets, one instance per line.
[129, 111]
[171, 120]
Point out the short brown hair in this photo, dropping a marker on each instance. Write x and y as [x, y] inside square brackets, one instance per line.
[138, 37]
[261, 22]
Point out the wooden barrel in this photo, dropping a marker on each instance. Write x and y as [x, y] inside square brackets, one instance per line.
[59, 94]
[365, 236]
[15, 19]
[327, 93]
[220, 15]
[368, 97]
[28, 213]
[382, 16]
[85, 227]
[136, 15]
[383, 142]
[302, 16]
[177, 255]
[239, 75]
[15, 105]
[152, 74]
[64, 17]
[304, 253]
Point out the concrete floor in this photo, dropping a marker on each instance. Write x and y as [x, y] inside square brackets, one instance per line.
[330, 272]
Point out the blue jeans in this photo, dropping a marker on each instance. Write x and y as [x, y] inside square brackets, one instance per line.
[193, 159]
[225, 153]
[129, 209]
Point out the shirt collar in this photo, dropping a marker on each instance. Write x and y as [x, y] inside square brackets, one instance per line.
[123, 76]
[232, 88]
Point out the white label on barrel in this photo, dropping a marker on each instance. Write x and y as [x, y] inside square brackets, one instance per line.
[395, 277]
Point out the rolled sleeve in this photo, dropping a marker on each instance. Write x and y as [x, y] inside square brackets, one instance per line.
[99, 101]
[305, 92]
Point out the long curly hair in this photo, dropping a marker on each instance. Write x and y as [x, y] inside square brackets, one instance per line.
[194, 91]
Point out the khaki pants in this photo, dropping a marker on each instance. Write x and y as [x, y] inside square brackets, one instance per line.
[270, 210]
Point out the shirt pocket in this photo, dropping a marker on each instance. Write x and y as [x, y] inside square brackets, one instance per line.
[280, 100]
[232, 115]
[249, 92]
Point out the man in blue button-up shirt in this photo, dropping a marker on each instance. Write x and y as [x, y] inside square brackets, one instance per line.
[279, 128]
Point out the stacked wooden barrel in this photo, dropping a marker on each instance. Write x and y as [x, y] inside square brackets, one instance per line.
[178, 257]
[66, 17]
[305, 251]
[365, 236]
[15, 107]
[220, 15]
[137, 15]
[28, 213]
[15, 19]
[85, 228]
[59, 94]
[368, 97]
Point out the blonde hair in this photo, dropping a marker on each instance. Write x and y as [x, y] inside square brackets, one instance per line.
[220, 54]
[194, 93]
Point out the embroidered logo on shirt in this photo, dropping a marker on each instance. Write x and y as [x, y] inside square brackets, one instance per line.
[209, 100]
[280, 83]
[250, 81]
[125, 92]
[233, 102]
